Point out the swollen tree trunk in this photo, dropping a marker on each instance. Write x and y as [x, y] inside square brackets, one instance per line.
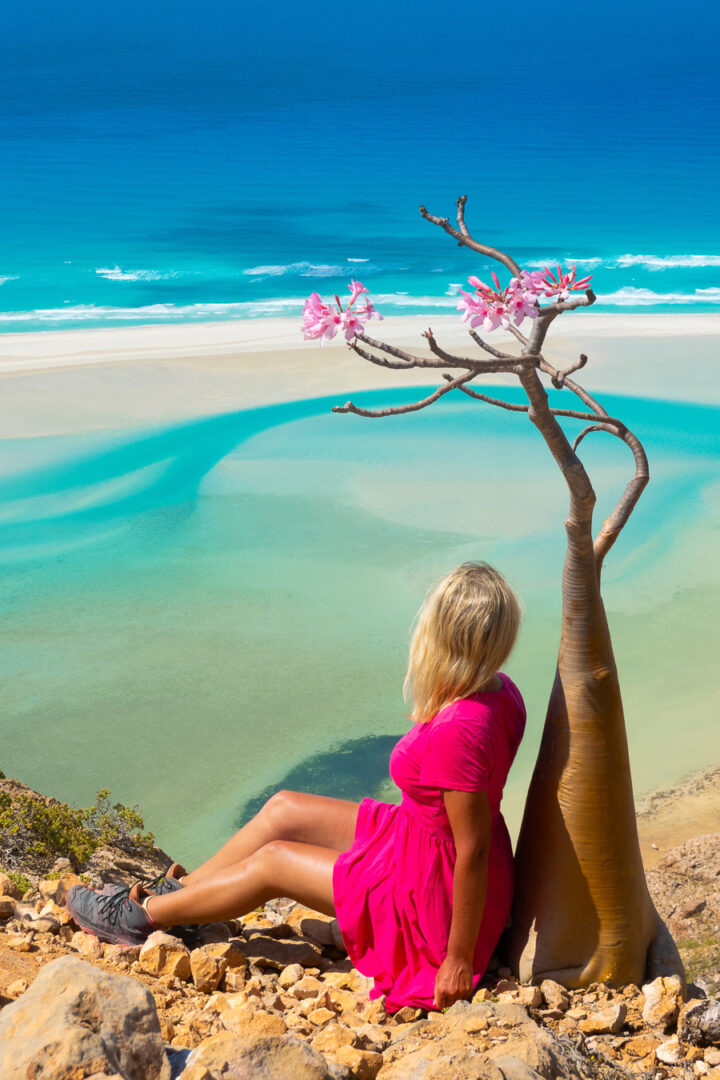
[582, 911]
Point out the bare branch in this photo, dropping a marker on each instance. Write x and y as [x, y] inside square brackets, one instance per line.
[448, 358]
[490, 400]
[568, 305]
[559, 378]
[489, 348]
[464, 238]
[518, 334]
[413, 407]
[592, 427]
[586, 398]
[391, 349]
[616, 521]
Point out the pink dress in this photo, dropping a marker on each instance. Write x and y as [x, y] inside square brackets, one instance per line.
[393, 889]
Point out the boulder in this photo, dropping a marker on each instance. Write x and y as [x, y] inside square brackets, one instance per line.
[87, 945]
[670, 1052]
[606, 1021]
[76, 1020]
[290, 975]
[56, 889]
[556, 996]
[207, 970]
[272, 952]
[663, 1000]
[363, 1064]
[163, 954]
[228, 1057]
[699, 1023]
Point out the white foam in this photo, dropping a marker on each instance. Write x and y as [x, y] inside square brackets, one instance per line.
[8, 277]
[542, 264]
[358, 260]
[298, 269]
[646, 297]
[115, 273]
[667, 262]
[156, 312]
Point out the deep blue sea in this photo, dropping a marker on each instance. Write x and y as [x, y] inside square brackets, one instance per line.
[186, 161]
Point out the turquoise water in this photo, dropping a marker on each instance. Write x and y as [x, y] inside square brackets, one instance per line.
[195, 615]
[187, 162]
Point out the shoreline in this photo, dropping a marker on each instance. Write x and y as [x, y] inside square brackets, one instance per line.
[100, 378]
[684, 811]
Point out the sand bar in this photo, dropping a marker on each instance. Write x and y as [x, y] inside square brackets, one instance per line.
[112, 377]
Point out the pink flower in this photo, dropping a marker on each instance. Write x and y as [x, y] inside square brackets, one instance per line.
[318, 320]
[533, 280]
[564, 284]
[321, 321]
[492, 307]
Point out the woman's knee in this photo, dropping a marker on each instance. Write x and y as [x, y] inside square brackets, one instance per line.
[281, 810]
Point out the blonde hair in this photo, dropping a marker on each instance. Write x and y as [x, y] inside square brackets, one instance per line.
[464, 633]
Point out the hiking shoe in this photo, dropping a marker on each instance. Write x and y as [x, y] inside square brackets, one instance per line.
[115, 917]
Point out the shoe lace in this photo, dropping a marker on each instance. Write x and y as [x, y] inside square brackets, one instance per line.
[110, 906]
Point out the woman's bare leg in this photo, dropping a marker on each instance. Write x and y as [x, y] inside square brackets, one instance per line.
[288, 815]
[300, 871]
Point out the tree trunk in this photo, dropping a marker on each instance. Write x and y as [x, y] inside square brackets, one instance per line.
[582, 911]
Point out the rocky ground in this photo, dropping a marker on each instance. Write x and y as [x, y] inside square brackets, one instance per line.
[273, 995]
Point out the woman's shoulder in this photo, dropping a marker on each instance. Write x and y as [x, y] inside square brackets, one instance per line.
[482, 710]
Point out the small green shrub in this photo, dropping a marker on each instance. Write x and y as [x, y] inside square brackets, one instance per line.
[50, 831]
[20, 880]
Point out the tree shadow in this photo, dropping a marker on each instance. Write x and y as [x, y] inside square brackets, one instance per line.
[350, 771]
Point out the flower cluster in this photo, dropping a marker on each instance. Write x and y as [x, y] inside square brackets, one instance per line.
[321, 321]
[492, 307]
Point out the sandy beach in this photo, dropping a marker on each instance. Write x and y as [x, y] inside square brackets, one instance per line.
[117, 377]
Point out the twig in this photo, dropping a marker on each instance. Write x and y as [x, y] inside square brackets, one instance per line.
[413, 407]
[464, 238]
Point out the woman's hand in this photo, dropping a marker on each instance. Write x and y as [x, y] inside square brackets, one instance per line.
[454, 982]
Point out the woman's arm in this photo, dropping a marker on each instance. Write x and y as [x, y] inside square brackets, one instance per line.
[470, 820]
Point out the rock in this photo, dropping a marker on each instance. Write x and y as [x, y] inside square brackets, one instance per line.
[122, 955]
[483, 995]
[663, 999]
[407, 1015]
[504, 986]
[76, 1020]
[641, 1046]
[58, 888]
[712, 1056]
[234, 979]
[530, 996]
[16, 988]
[670, 1052]
[272, 952]
[556, 996]
[311, 924]
[252, 1022]
[7, 906]
[693, 907]
[8, 887]
[45, 926]
[332, 1037]
[228, 950]
[321, 1016]
[19, 942]
[87, 945]
[605, 1021]
[699, 1023]
[227, 1057]
[372, 1037]
[307, 987]
[207, 970]
[290, 975]
[363, 1064]
[163, 954]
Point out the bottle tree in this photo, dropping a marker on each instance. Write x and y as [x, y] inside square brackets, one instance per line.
[582, 911]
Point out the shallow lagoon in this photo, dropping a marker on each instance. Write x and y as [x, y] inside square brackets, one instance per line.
[195, 615]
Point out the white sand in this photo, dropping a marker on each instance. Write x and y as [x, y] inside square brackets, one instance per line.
[75, 380]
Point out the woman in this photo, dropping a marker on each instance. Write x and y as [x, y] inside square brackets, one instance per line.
[422, 890]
